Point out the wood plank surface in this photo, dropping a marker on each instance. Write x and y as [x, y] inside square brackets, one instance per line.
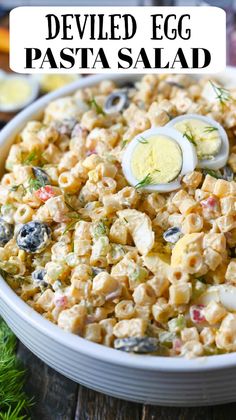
[92, 405]
[58, 398]
[55, 396]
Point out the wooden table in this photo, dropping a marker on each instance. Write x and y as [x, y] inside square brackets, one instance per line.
[58, 398]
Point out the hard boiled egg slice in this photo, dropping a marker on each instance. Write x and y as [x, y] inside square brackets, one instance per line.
[223, 293]
[208, 137]
[156, 159]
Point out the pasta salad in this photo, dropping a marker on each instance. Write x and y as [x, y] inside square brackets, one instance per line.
[126, 266]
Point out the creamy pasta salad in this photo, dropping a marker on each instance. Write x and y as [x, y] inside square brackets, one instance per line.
[118, 217]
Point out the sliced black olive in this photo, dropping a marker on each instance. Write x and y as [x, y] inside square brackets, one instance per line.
[116, 102]
[227, 173]
[38, 277]
[172, 235]
[6, 232]
[41, 175]
[33, 237]
[137, 344]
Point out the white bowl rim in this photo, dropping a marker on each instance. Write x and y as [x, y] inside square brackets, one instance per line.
[72, 341]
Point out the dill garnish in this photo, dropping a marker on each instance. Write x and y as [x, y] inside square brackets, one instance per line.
[123, 144]
[147, 180]
[212, 173]
[17, 187]
[74, 217]
[189, 136]
[35, 184]
[30, 158]
[142, 140]
[222, 94]
[100, 229]
[98, 108]
[210, 129]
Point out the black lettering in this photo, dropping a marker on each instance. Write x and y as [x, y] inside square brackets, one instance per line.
[180, 27]
[49, 58]
[155, 26]
[30, 57]
[180, 58]
[124, 57]
[68, 58]
[66, 26]
[80, 28]
[207, 58]
[114, 27]
[53, 19]
[132, 26]
[142, 58]
[101, 58]
[166, 28]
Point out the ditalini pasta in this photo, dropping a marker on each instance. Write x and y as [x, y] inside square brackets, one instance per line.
[90, 240]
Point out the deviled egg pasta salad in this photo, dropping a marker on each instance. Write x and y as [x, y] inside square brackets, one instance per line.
[118, 216]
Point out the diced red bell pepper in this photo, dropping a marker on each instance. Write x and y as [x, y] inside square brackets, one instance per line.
[44, 193]
[196, 314]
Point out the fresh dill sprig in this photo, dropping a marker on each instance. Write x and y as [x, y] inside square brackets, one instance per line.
[123, 144]
[147, 180]
[14, 403]
[35, 184]
[17, 187]
[189, 136]
[98, 108]
[30, 158]
[71, 225]
[74, 217]
[222, 94]
[212, 173]
[142, 140]
[100, 229]
[210, 129]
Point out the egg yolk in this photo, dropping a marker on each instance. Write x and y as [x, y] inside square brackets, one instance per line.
[158, 156]
[204, 137]
[14, 91]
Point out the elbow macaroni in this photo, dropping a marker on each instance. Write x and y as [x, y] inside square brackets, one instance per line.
[108, 273]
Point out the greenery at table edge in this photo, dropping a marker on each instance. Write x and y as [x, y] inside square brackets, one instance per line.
[14, 403]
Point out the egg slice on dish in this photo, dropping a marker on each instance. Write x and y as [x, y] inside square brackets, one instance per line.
[156, 159]
[207, 136]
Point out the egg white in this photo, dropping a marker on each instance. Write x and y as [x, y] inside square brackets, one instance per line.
[220, 159]
[189, 158]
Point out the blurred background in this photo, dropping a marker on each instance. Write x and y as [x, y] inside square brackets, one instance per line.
[16, 91]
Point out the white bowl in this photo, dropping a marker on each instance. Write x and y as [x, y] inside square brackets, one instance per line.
[145, 379]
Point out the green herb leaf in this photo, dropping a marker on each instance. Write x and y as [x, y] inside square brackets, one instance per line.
[32, 157]
[142, 140]
[13, 400]
[35, 184]
[210, 129]
[17, 187]
[222, 94]
[147, 180]
[211, 172]
[70, 226]
[97, 107]
[100, 229]
[123, 144]
[189, 136]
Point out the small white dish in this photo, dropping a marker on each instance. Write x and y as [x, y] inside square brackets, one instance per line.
[30, 97]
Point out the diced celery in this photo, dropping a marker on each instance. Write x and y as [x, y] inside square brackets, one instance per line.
[177, 324]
